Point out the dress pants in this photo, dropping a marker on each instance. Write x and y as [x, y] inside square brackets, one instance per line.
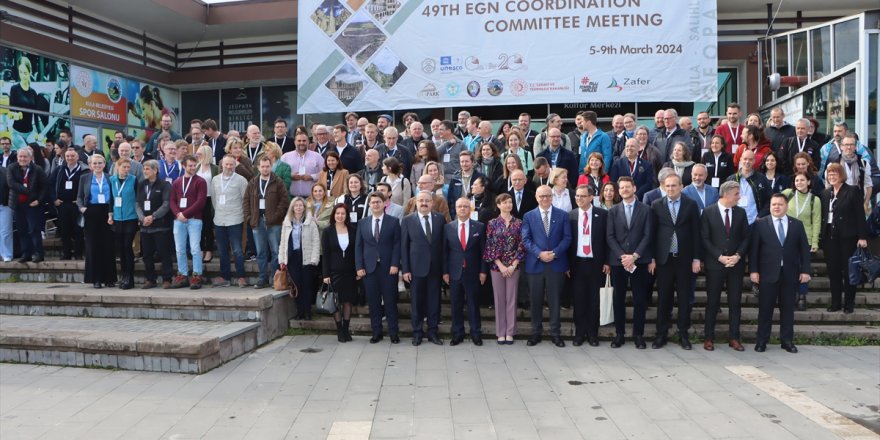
[69, 231]
[837, 252]
[505, 290]
[466, 290]
[123, 235]
[586, 280]
[716, 279]
[425, 303]
[638, 282]
[153, 244]
[783, 292]
[30, 222]
[674, 277]
[304, 277]
[382, 290]
[551, 283]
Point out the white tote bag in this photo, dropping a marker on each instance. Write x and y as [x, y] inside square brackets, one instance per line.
[606, 302]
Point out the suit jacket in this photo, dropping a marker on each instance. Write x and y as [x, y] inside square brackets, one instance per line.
[716, 241]
[528, 200]
[686, 223]
[472, 255]
[331, 146]
[457, 189]
[36, 190]
[643, 174]
[401, 153]
[636, 238]
[790, 147]
[767, 254]
[849, 215]
[565, 159]
[368, 252]
[351, 159]
[598, 229]
[652, 196]
[709, 192]
[419, 256]
[536, 241]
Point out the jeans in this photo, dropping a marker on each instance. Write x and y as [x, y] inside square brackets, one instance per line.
[5, 232]
[267, 239]
[229, 236]
[30, 222]
[190, 231]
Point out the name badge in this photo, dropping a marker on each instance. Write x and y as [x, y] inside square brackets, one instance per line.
[830, 217]
[68, 185]
[446, 158]
[262, 203]
[147, 205]
[302, 169]
[101, 198]
[222, 199]
[118, 202]
[716, 182]
[169, 180]
[24, 185]
[353, 217]
[183, 202]
[474, 215]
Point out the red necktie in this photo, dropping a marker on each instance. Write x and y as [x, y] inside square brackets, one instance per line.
[587, 233]
[462, 238]
[727, 221]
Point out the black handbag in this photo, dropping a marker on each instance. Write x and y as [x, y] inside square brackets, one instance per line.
[326, 300]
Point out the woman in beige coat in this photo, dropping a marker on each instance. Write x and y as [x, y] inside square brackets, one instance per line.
[299, 253]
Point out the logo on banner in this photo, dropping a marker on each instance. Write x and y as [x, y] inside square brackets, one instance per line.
[114, 90]
[495, 87]
[614, 85]
[518, 87]
[473, 89]
[429, 91]
[83, 83]
[452, 89]
[429, 65]
[588, 86]
[449, 64]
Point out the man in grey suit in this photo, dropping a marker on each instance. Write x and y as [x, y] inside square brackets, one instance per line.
[724, 230]
[629, 252]
[421, 260]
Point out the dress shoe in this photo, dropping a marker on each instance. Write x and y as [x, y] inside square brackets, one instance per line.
[685, 343]
[416, 342]
[456, 341]
[435, 340]
[109, 284]
[833, 309]
[478, 341]
[96, 285]
[659, 342]
[24, 259]
[761, 347]
[848, 310]
[617, 342]
[126, 285]
[394, 338]
[578, 341]
[509, 342]
[375, 339]
[790, 348]
[736, 345]
[593, 341]
[37, 258]
[557, 341]
[148, 284]
[640, 342]
[534, 340]
[708, 345]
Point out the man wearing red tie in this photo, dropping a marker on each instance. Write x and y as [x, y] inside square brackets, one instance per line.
[464, 270]
[588, 263]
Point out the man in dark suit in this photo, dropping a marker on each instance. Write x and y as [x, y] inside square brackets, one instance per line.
[676, 260]
[323, 143]
[724, 230]
[464, 270]
[630, 165]
[390, 149]
[28, 186]
[629, 253]
[421, 260]
[523, 194]
[377, 259]
[778, 261]
[351, 159]
[559, 157]
[589, 255]
[546, 235]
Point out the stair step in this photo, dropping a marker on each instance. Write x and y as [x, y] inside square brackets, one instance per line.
[129, 344]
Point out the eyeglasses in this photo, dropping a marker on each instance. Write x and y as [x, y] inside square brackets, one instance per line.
[671, 117]
[545, 196]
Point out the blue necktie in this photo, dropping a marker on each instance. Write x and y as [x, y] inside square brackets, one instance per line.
[781, 232]
[673, 246]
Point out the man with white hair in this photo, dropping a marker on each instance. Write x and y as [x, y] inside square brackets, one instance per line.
[28, 186]
[461, 130]
[137, 169]
[389, 149]
[799, 143]
[90, 147]
[416, 135]
[672, 133]
[254, 149]
[323, 140]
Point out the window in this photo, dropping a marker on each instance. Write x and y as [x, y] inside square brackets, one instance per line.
[846, 43]
[821, 39]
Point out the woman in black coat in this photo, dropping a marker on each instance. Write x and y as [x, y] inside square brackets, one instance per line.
[840, 237]
[94, 202]
[719, 163]
[337, 248]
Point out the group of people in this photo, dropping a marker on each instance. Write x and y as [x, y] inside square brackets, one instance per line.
[466, 206]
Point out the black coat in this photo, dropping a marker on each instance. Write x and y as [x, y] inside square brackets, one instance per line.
[36, 190]
[849, 215]
[716, 241]
[686, 222]
[598, 233]
[529, 202]
[336, 264]
[767, 256]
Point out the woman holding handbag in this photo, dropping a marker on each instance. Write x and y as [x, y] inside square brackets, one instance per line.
[301, 247]
[338, 266]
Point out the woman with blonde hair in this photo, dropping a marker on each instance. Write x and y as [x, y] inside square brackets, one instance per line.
[299, 253]
[320, 205]
[435, 170]
[235, 148]
[207, 170]
[281, 169]
[95, 203]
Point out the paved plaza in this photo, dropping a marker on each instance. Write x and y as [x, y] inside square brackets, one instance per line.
[311, 387]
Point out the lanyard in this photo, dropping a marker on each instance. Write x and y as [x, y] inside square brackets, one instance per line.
[184, 185]
[119, 188]
[100, 182]
[167, 171]
[147, 189]
[69, 174]
[732, 134]
[224, 184]
[799, 207]
[263, 188]
[26, 171]
[256, 152]
[801, 144]
[283, 141]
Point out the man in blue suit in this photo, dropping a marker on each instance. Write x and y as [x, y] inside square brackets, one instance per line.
[377, 259]
[559, 157]
[630, 165]
[464, 270]
[698, 191]
[546, 235]
[422, 262]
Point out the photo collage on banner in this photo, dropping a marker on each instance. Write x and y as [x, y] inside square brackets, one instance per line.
[34, 97]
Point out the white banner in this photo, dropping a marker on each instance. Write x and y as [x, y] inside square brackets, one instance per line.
[402, 54]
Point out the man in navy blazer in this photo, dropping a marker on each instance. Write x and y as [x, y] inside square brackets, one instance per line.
[421, 260]
[377, 259]
[559, 157]
[778, 261]
[464, 270]
[698, 191]
[546, 236]
[630, 165]
[629, 253]
[589, 262]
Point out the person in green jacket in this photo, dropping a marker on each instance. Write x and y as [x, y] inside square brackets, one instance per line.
[807, 208]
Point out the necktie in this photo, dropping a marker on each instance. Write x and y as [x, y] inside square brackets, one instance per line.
[587, 233]
[727, 221]
[376, 231]
[547, 222]
[673, 246]
[462, 237]
[518, 199]
[427, 228]
[629, 215]
[781, 232]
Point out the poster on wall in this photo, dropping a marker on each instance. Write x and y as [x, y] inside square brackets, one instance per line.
[360, 55]
[34, 96]
[147, 103]
[278, 103]
[240, 108]
[98, 96]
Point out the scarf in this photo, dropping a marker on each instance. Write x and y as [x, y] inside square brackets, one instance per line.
[681, 166]
[852, 166]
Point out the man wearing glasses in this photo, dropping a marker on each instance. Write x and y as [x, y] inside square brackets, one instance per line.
[667, 138]
[137, 152]
[323, 143]
[8, 157]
